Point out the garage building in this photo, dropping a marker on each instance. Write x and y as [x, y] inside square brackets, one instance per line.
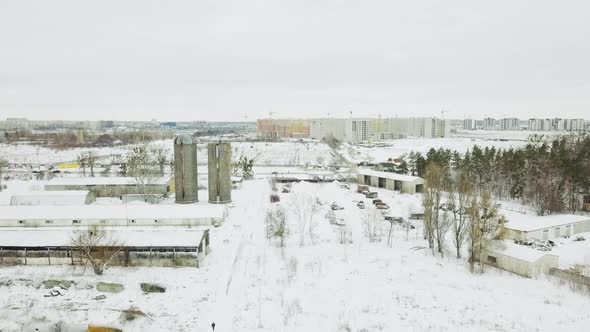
[526, 226]
[520, 259]
[392, 181]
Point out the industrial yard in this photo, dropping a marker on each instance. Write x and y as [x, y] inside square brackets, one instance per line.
[328, 275]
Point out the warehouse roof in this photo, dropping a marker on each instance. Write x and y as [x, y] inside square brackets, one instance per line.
[126, 237]
[101, 181]
[389, 175]
[527, 222]
[160, 211]
[521, 252]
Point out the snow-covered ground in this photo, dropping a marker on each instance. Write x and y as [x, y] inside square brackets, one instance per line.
[248, 283]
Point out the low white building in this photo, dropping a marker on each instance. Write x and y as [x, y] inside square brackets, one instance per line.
[524, 226]
[113, 215]
[392, 181]
[520, 259]
[139, 246]
[61, 197]
[112, 186]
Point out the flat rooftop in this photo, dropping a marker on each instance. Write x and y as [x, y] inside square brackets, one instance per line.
[524, 253]
[126, 237]
[147, 211]
[389, 175]
[101, 181]
[530, 222]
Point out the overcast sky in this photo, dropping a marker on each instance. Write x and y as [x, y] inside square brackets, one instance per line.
[228, 60]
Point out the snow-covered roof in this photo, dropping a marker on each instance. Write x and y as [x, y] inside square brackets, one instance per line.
[514, 250]
[527, 222]
[58, 197]
[389, 175]
[101, 181]
[159, 211]
[76, 193]
[127, 237]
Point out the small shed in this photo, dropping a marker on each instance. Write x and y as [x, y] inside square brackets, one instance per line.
[392, 181]
[61, 197]
[520, 259]
[527, 226]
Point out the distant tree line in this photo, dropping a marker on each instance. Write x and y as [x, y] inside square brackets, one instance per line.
[84, 138]
[547, 175]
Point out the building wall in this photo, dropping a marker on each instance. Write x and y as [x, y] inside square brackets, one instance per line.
[522, 267]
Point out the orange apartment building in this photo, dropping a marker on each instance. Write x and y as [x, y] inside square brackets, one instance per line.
[282, 128]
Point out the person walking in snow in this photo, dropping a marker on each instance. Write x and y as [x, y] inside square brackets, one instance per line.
[213, 326]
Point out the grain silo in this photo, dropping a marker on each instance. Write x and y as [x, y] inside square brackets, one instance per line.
[219, 156]
[185, 169]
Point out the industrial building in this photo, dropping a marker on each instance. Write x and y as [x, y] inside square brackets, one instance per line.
[113, 215]
[62, 197]
[112, 186]
[519, 259]
[392, 181]
[185, 169]
[219, 172]
[525, 227]
[138, 246]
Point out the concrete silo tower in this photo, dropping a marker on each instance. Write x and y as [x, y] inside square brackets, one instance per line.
[185, 169]
[219, 155]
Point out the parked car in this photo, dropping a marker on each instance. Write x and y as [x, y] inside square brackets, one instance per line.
[344, 186]
[336, 207]
[446, 207]
[274, 198]
[286, 190]
[361, 205]
[361, 189]
[377, 201]
[371, 194]
[382, 206]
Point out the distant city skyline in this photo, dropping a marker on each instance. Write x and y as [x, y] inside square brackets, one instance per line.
[241, 60]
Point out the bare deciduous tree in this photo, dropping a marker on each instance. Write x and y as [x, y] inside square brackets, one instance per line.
[459, 197]
[97, 247]
[91, 161]
[304, 207]
[373, 224]
[485, 226]
[141, 167]
[434, 227]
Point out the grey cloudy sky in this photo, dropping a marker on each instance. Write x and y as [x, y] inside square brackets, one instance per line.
[225, 60]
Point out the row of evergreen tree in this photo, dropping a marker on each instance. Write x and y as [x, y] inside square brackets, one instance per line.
[550, 175]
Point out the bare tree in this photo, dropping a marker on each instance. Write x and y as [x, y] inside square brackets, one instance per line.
[161, 157]
[485, 226]
[91, 161]
[97, 247]
[141, 167]
[3, 163]
[459, 197]
[433, 193]
[304, 207]
[373, 224]
[276, 224]
[82, 162]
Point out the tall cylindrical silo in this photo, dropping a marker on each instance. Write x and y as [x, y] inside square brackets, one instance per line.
[219, 165]
[185, 169]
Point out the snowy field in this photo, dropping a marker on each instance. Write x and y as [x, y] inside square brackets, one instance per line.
[248, 283]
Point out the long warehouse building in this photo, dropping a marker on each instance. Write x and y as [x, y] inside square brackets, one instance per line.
[113, 215]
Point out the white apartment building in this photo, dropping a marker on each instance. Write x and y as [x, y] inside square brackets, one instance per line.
[469, 124]
[510, 124]
[320, 128]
